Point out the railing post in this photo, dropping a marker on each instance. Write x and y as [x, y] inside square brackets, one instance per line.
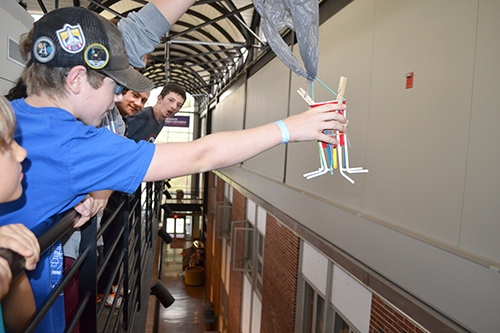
[138, 257]
[126, 258]
[87, 277]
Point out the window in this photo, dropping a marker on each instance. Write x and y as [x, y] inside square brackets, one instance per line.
[248, 250]
[340, 325]
[313, 316]
[315, 297]
[308, 315]
[250, 246]
[259, 271]
[242, 246]
[223, 219]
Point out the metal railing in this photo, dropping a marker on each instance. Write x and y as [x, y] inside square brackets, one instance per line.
[130, 234]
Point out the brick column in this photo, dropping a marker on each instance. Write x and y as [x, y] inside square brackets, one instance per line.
[385, 318]
[279, 290]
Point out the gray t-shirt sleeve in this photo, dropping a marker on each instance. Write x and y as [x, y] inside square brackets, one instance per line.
[141, 32]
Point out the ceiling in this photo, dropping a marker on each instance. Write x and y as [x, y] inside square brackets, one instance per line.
[203, 51]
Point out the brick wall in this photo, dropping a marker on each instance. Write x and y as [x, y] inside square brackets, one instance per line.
[279, 290]
[236, 278]
[387, 319]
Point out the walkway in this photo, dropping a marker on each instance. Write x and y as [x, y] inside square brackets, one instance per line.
[186, 314]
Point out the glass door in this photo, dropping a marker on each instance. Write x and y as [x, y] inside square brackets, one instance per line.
[180, 227]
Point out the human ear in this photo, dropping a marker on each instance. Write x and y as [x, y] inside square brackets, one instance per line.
[75, 79]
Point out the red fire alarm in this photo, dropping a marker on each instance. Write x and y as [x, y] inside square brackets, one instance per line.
[409, 80]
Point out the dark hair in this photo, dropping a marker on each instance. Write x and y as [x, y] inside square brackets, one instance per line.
[17, 91]
[7, 124]
[172, 87]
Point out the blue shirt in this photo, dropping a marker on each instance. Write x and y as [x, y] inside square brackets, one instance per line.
[66, 160]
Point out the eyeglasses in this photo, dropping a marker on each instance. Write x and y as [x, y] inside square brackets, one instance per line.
[118, 88]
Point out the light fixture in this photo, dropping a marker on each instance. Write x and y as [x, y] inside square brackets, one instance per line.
[165, 236]
[162, 294]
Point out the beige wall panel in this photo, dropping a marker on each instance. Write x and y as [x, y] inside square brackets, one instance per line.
[346, 44]
[218, 118]
[14, 21]
[228, 114]
[417, 138]
[481, 215]
[267, 101]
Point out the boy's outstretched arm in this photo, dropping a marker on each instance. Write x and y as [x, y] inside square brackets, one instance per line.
[224, 149]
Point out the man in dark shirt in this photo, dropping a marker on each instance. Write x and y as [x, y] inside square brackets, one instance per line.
[146, 124]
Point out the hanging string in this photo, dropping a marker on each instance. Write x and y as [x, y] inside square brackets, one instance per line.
[312, 93]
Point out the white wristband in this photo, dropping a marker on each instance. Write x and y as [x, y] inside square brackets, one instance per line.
[285, 134]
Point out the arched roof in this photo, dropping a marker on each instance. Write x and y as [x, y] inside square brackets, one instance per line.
[203, 51]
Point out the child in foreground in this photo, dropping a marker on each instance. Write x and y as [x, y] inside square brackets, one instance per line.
[16, 295]
[78, 67]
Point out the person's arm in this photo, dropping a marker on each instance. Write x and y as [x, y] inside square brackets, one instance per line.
[224, 149]
[142, 30]
[172, 10]
[19, 305]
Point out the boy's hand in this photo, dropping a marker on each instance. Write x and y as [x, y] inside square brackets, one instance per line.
[84, 207]
[93, 203]
[20, 239]
[310, 125]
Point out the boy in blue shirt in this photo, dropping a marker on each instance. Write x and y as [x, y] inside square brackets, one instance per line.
[78, 67]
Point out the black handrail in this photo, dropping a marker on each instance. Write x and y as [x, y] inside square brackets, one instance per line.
[134, 253]
[17, 261]
[54, 294]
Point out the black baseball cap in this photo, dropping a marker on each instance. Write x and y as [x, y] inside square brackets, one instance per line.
[73, 36]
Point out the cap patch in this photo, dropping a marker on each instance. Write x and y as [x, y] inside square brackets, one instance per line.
[71, 38]
[43, 49]
[96, 56]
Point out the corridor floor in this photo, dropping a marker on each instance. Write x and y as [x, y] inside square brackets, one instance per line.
[185, 315]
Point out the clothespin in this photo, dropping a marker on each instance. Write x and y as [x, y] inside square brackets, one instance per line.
[305, 96]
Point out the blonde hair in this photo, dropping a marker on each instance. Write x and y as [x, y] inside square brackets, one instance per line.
[7, 124]
[50, 80]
